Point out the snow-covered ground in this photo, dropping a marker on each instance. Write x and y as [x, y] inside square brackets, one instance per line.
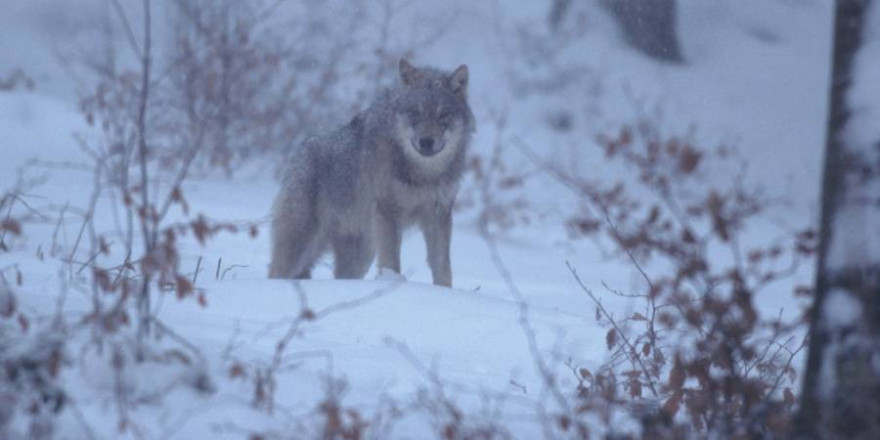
[756, 75]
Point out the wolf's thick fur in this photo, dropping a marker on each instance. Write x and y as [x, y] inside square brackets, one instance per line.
[396, 164]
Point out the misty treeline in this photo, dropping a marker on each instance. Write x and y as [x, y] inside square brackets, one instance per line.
[647, 26]
[237, 80]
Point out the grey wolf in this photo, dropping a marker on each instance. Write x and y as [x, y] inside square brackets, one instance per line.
[397, 164]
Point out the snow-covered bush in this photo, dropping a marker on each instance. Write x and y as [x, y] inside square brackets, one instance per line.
[31, 359]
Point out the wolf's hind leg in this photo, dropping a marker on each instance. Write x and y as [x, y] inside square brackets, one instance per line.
[352, 255]
[296, 245]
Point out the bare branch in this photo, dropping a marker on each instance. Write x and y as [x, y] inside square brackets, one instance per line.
[634, 359]
[126, 25]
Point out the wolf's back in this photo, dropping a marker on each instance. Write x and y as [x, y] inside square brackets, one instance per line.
[331, 171]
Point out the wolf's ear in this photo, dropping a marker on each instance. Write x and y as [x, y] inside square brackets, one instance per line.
[459, 79]
[409, 74]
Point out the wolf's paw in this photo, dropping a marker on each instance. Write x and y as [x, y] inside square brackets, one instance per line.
[386, 274]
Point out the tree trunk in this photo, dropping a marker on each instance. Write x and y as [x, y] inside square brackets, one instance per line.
[841, 389]
[558, 10]
[649, 26]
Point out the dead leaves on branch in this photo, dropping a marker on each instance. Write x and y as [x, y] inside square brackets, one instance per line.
[729, 365]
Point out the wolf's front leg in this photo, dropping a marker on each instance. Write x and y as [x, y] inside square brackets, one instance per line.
[388, 233]
[438, 233]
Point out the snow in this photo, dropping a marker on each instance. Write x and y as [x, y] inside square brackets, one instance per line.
[841, 309]
[733, 88]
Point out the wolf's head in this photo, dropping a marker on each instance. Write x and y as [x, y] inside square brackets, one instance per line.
[433, 118]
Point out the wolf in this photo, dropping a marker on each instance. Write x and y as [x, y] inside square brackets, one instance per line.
[397, 164]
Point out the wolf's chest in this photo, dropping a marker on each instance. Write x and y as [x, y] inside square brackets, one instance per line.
[417, 200]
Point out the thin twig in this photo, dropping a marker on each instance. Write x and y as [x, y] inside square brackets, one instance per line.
[635, 360]
[143, 301]
[126, 25]
[234, 266]
[306, 314]
[180, 339]
[525, 324]
[198, 266]
[54, 247]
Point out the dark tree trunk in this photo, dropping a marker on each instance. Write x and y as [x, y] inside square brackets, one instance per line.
[841, 388]
[649, 26]
[558, 11]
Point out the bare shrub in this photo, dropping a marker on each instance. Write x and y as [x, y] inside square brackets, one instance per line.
[9, 225]
[227, 79]
[15, 79]
[496, 174]
[449, 420]
[30, 364]
[331, 418]
[264, 373]
[122, 270]
[699, 358]
[253, 84]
